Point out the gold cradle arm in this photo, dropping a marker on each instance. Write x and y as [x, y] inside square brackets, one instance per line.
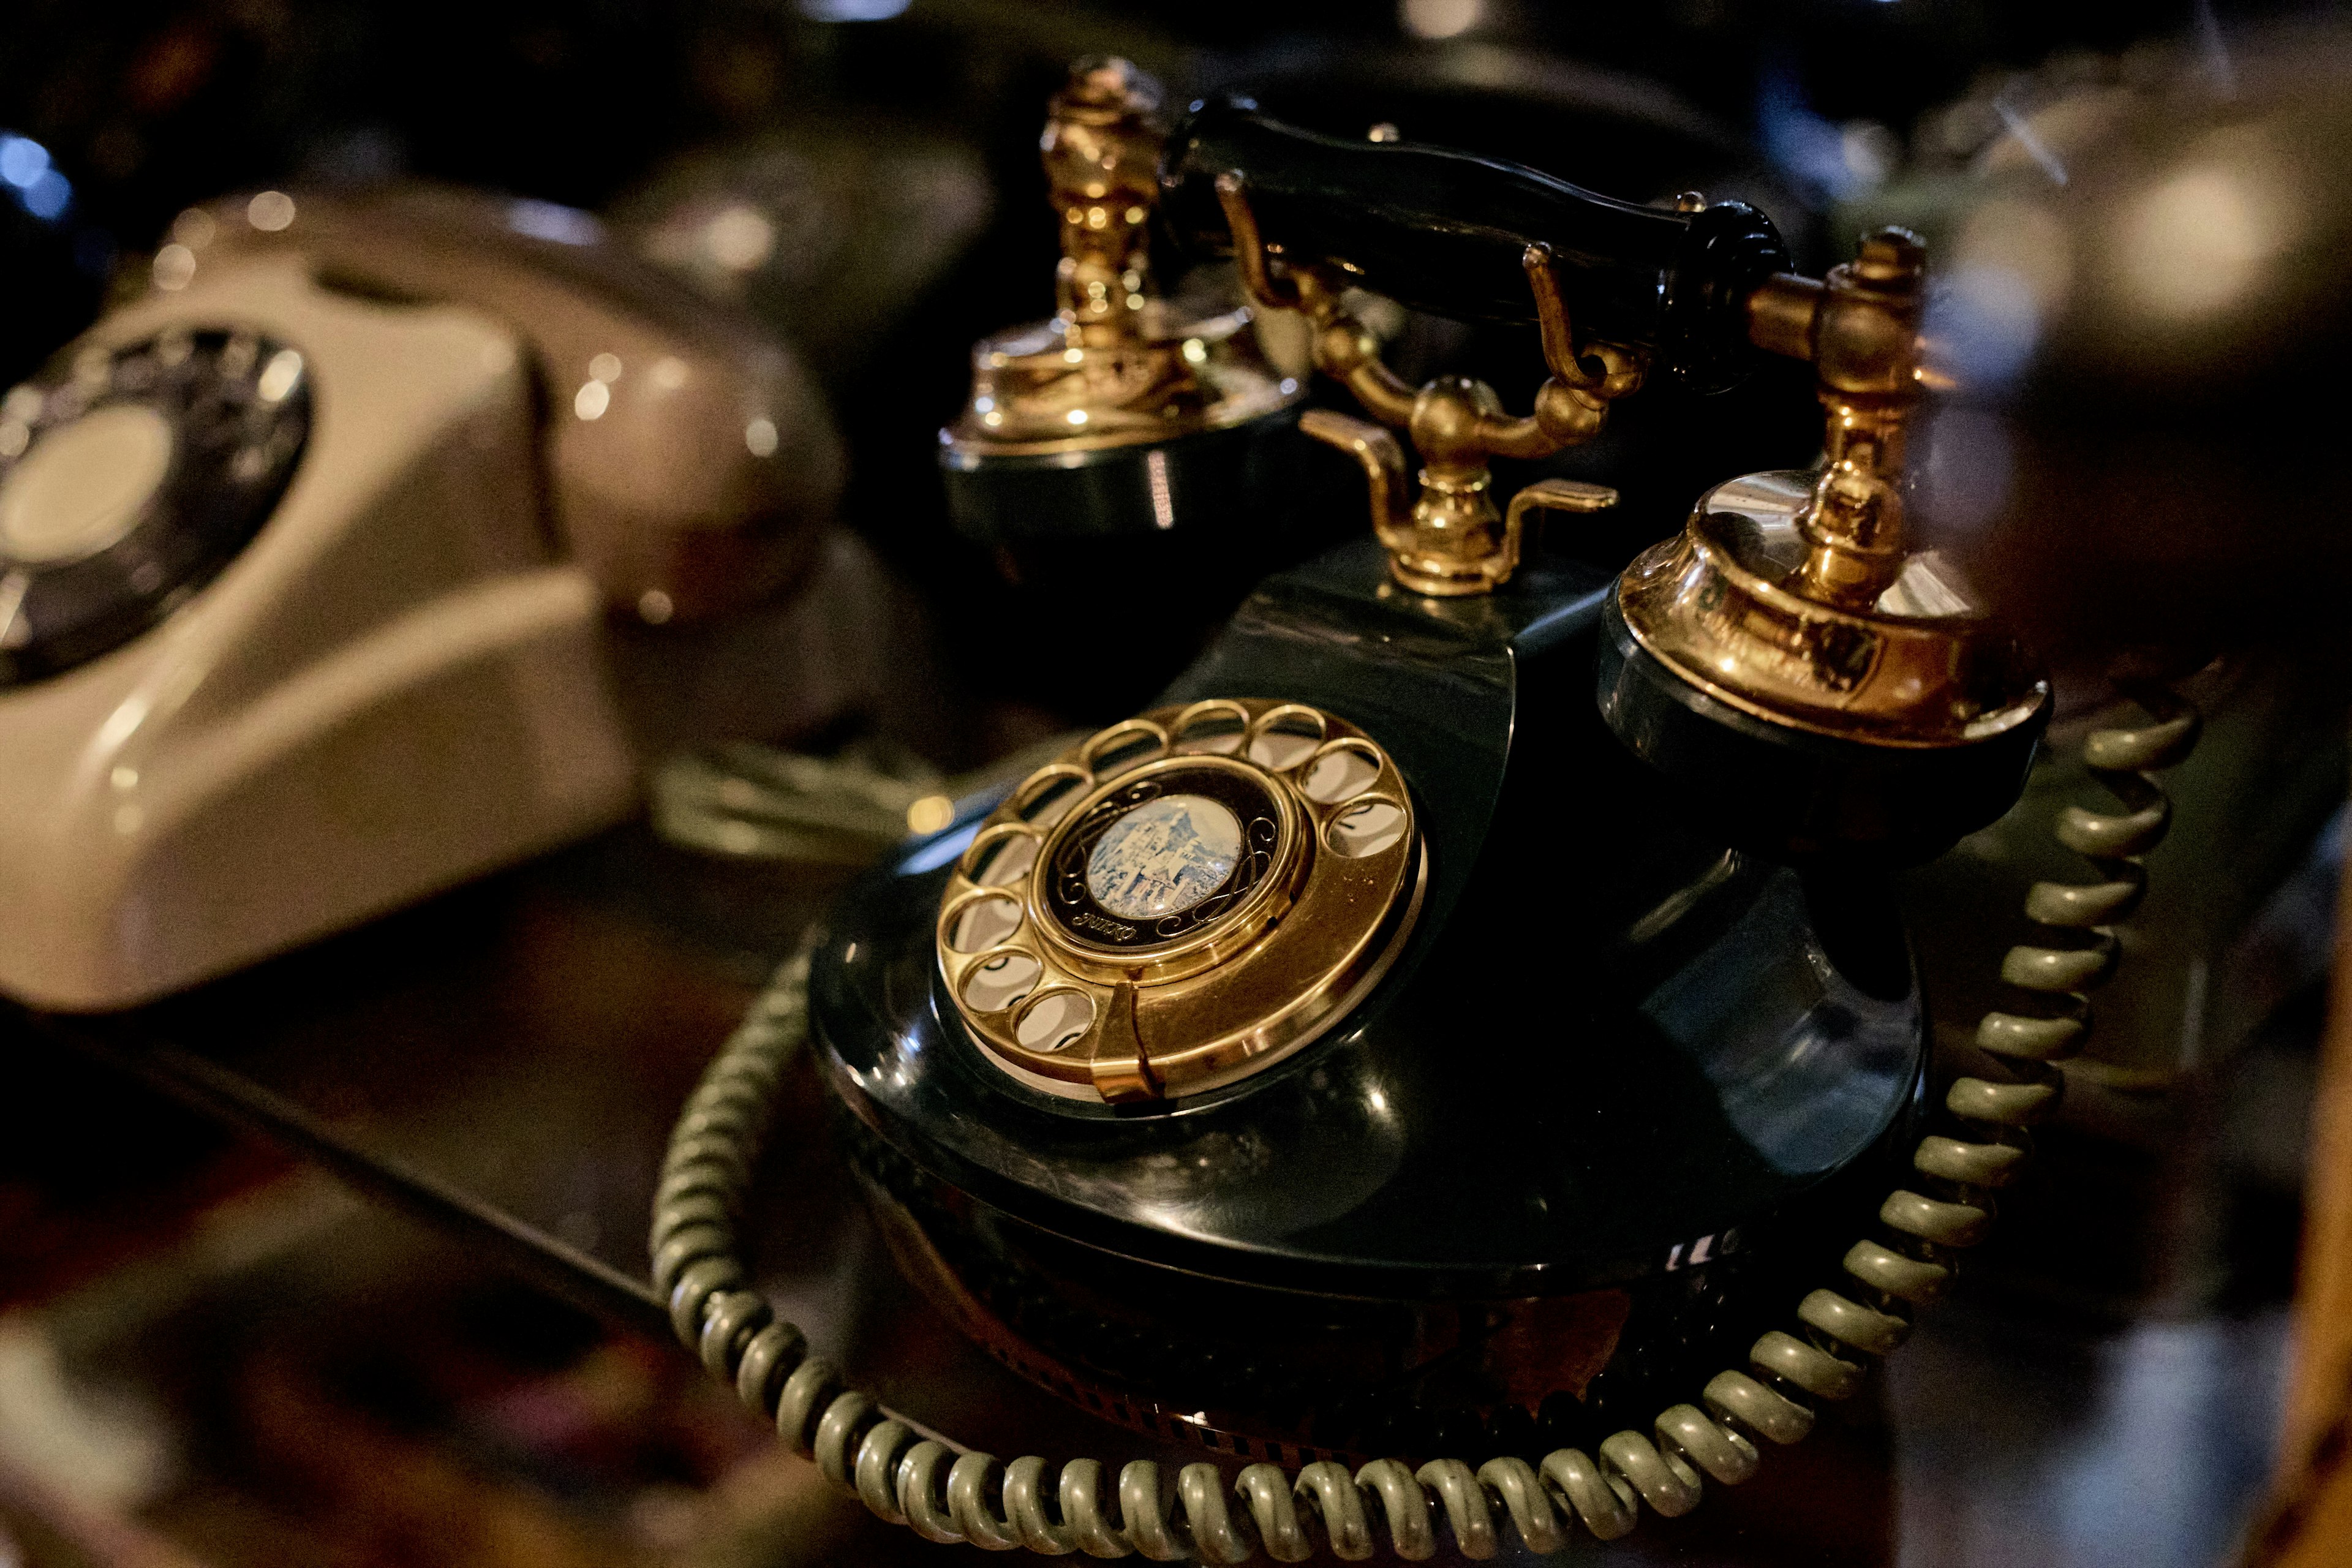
[1448, 539]
[1382, 460]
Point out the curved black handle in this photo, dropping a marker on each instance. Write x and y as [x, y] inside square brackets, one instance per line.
[1446, 232]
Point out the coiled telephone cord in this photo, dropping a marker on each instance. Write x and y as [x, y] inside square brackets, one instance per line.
[944, 1495]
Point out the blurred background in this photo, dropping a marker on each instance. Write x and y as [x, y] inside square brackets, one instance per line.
[862, 178]
[211, 1354]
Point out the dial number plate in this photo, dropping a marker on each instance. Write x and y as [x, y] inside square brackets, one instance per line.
[129, 478]
[1181, 901]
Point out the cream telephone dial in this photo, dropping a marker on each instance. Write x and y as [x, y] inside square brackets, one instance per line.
[1203, 1078]
[305, 556]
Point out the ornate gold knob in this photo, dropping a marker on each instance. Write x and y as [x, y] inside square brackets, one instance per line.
[1101, 151]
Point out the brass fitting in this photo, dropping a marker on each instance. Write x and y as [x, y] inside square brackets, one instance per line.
[1860, 328]
[1117, 366]
[1444, 538]
[1101, 152]
[1795, 598]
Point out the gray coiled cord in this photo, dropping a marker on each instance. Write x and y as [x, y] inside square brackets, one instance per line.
[945, 1495]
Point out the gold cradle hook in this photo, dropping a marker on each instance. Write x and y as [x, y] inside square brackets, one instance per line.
[1445, 539]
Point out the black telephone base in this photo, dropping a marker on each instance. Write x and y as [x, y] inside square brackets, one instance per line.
[1613, 1100]
[1791, 794]
[1261, 1373]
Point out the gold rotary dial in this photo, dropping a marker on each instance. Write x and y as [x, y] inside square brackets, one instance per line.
[1182, 899]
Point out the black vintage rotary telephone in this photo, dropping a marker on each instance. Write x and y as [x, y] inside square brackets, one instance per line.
[1443, 1052]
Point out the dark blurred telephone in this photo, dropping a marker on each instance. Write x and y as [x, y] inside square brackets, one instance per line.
[305, 556]
[1443, 1053]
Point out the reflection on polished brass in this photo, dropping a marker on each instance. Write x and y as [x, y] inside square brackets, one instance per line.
[1117, 366]
[1448, 539]
[1861, 330]
[1796, 599]
[1182, 899]
[1552, 495]
[1725, 606]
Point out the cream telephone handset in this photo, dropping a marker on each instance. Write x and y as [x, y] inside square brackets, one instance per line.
[305, 556]
[1455, 1058]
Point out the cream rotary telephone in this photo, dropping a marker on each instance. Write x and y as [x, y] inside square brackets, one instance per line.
[306, 560]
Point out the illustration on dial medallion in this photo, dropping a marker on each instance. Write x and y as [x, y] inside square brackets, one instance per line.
[1164, 856]
[1181, 901]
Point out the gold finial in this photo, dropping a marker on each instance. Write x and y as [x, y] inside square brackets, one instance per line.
[1866, 356]
[1447, 538]
[1101, 151]
[1116, 366]
[1860, 328]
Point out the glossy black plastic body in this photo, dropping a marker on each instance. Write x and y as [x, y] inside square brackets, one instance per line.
[1791, 794]
[1621, 1099]
[1036, 503]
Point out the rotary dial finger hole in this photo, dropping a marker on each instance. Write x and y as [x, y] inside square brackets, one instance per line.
[1124, 746]
[1365, 828]
[1285, 738]
[982, 923]
[1055, 1021]
[1344, 770]
[999, 980]
[1047, 797]
[1002, 856]
[1211, 728]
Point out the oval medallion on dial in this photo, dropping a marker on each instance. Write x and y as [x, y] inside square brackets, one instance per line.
[1162, 857]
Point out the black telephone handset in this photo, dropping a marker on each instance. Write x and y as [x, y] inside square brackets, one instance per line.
[1383, 1047]
[1445, 231]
